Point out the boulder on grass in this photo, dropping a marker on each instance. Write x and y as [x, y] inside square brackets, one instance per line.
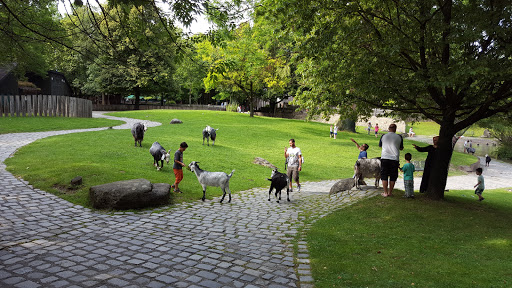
[129, 194]
[176, 121]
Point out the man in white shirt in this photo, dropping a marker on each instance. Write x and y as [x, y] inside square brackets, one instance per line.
[391, 144]
[294, 156]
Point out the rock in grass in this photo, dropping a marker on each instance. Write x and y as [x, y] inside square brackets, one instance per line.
[176, 121]
[129, 194]
[342, 185]
[77, 181]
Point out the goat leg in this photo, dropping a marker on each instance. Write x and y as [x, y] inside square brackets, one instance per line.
[204, 194]
[229, 197]
[269, 193]
[223, 195]
[288, 194]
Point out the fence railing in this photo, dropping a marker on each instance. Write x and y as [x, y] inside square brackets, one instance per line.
[44, 106]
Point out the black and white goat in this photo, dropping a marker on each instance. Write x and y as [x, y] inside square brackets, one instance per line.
[138, 131]
[209, 132]
[159, 154]
[216, 179]
[278, 182]
[367, 168]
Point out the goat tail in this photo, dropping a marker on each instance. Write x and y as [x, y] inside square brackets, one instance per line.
[231, 173]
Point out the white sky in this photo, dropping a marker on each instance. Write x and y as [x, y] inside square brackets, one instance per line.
[200, 25]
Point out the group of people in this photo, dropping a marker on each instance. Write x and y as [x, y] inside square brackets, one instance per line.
[391, 144]
[376, 129]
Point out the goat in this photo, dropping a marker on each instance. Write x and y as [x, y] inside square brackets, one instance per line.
[367, 168]
[279, 181]
[159, 154]
[138, 131]
[216, 179]
[209, 132]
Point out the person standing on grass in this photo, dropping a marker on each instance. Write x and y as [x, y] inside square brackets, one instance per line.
[294, 157]
[391, 144]
[177, 168]
[432, 151]
[376, 130]
[408, 170]
[331, 132]
[335, 131]
[480, 186]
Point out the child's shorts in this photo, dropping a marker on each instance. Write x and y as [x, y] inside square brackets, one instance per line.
[479, 191]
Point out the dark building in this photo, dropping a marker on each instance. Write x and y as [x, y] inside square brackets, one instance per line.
[8, 81]
[53, 84]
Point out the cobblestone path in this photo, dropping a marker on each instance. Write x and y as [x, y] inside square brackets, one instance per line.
[48, 242]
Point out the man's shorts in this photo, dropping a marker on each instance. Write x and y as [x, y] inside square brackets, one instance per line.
[479, 191]
[293, 173]
[389, 169]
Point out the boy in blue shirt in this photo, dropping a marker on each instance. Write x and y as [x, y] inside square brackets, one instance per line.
[362, 150]
[408, 170]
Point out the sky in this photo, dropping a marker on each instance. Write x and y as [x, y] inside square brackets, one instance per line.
[200, 25]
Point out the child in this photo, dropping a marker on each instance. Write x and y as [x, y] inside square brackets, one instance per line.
[178, 166]
[335, 131]
[408, 170]
[331, 133]
[480, 186]
[376, 130]
[362, 150]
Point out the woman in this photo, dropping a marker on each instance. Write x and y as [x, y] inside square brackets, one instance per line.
[432, 151]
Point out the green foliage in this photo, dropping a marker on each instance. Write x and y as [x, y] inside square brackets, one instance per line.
[232, 107]
[29, 34]
[400, 242]
[109, 155]
[39, 124]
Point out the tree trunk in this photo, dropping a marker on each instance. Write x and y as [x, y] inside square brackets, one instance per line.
[251, 103]
[441, 164]
[137, 96]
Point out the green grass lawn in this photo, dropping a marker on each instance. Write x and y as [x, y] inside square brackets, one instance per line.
[397, 242]
[39, 124]
[109, 155]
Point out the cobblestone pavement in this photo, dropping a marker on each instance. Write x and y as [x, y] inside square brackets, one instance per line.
[48, 242]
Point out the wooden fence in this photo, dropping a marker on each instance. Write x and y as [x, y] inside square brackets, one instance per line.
[45, 106]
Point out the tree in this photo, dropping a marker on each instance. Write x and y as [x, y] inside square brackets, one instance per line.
[445, 60]
[25, 31]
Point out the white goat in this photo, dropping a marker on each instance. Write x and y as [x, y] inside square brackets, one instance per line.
[159, 154]
[367, 168]
[138, 131]
[216, 179]
[209, 132]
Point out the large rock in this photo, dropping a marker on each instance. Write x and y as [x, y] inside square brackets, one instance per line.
[176, 121]
[263, 162]
[129, 194]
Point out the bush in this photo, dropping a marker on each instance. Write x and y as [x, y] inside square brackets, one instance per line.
[505, 152]
[231, 107]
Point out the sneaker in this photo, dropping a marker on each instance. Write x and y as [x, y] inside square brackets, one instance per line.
[481, 199]
[298, 188]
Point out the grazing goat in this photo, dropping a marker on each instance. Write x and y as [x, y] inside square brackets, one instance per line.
[216, 179]
[367, 168]
[279, 181]
[208, 133]
[159, 154]
[138, 131]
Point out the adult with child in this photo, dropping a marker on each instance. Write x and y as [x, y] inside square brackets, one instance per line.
[432, 151]
[391, 144]
[178, 166]
[408, 170]
[294, 157]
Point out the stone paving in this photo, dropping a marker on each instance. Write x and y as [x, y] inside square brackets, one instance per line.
[48, 242]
